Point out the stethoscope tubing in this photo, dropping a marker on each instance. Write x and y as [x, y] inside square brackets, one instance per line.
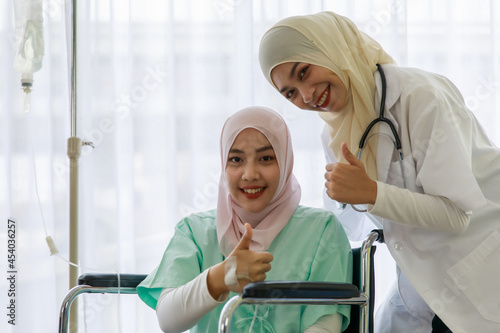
[381, 118]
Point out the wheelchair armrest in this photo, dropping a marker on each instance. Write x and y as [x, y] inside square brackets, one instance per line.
[98, 283]
[300, 289]
[111, 280]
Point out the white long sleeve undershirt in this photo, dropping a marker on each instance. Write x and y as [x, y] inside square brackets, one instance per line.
[327, 324]
[179, 309]
[419, 210]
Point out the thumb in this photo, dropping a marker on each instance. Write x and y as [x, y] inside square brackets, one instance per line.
[245, 241]
[350, 158]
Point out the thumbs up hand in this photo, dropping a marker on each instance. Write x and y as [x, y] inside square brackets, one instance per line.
[350, 158]
[245, 241]
[251, 266]
[349, 183]
[248, 266]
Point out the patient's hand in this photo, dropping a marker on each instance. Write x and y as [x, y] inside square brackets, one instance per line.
[251, 266]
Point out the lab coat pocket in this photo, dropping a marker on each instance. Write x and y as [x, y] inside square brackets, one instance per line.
[477, 277]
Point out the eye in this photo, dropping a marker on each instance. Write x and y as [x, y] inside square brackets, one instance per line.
[268, 158]
[302, 72]
[289, 93]
[234, 159]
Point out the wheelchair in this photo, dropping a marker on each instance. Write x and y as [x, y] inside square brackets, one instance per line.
[360, 294]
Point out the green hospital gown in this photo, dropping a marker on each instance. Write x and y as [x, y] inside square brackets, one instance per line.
[312, 247]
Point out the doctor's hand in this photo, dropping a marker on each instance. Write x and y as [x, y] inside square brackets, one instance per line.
[240, 268]
[349, 183]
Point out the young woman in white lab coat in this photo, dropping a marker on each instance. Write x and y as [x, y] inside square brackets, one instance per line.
[439, 206]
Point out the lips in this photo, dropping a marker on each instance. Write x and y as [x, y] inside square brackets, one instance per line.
[324, 99]
[252, 193]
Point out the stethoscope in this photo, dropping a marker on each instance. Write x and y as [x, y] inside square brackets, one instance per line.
[381, 118]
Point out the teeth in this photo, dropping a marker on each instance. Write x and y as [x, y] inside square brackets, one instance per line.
[252, 191]
[323, 98]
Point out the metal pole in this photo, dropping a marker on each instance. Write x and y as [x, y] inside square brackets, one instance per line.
[74, 152]
[73, 72]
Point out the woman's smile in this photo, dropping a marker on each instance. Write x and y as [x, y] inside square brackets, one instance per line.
[253, 192]
[324, 98]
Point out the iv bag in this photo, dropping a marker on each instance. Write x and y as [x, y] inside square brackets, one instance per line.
[29, 42]
[30, 52]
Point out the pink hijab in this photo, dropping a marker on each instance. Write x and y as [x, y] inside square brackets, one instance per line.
[266, 224]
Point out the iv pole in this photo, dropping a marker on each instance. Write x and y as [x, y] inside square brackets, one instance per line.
[74, 153]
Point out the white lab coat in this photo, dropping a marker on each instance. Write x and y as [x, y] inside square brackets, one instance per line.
[448, 155]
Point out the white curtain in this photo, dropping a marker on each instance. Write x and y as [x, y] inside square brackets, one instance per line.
[156, 80]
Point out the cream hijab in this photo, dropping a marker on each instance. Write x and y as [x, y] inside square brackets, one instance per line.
[334, 42]
[266, 224]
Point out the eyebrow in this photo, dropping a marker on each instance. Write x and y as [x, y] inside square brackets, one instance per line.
[258, 150]
[292, 74]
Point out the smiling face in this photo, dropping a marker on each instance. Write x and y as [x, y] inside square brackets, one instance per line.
[310, 87]
[252, 170]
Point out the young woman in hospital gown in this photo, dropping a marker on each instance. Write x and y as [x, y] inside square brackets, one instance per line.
[439, 207]
[258, 232]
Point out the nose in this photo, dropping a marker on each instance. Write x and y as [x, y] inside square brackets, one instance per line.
[307, 93]
[251, 172]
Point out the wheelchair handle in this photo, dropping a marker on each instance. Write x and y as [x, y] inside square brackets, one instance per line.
[380, 235]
